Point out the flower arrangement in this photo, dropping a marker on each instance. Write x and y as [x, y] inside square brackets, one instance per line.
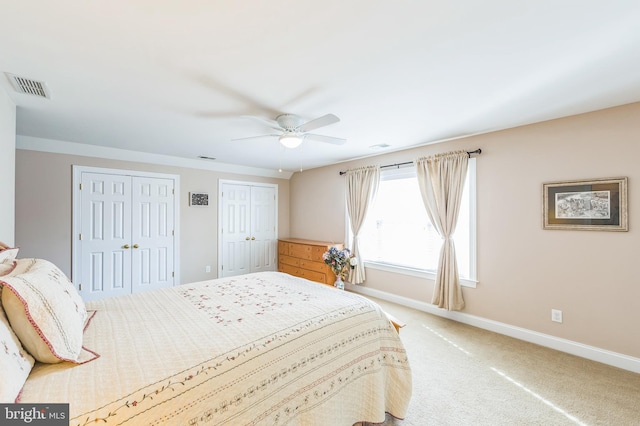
[338, 260]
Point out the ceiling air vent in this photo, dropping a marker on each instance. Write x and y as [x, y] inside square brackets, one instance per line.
[380, 146]
[28, 86]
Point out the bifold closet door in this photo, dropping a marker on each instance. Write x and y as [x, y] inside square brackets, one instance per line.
[105, 235]
[127, 234]
[263, 234]
[248, 233]
[152, 233]
[236, 230]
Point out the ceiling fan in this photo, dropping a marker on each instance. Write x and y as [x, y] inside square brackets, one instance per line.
[294, 130]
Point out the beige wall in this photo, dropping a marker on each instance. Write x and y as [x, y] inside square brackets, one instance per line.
[7, 167]
[43, 209]
[523, 270]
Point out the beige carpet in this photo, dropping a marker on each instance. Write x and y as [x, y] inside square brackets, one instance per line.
[464, 375]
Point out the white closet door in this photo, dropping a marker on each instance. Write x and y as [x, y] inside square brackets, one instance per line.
[152, 233]
[105, 235]
[248, 229]
[125, 224]
[263, 229]
[236, 230]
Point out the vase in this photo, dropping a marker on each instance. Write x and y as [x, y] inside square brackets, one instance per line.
[339, 284]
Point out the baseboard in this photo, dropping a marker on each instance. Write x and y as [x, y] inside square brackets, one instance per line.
[585, 351]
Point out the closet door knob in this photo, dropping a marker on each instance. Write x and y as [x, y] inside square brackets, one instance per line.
[253, 238]
[247, 238]
[136, 246]
[126, 246]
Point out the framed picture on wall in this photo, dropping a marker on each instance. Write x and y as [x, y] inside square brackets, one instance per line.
[590, 205]
[199, 199]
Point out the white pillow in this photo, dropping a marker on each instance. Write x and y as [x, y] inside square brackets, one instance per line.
[45, 310]
[15, 362]
[8, 255]
[5, 268]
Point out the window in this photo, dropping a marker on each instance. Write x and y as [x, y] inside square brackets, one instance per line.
[398, 235]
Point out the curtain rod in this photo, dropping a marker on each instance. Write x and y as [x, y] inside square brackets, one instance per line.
[477, 151]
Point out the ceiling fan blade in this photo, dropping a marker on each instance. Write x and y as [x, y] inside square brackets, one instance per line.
[323, 138]
[254, 137]
[316, 123]
[229, 91]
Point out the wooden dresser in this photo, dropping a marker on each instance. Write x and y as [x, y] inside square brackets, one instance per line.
[303, 258]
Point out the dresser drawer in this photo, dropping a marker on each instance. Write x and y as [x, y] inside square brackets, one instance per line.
[302, 273]
[288, 260]
[289, 269]
[312, 275]
[317, 252]
[301, 251]
[283, 247]
[314, 266]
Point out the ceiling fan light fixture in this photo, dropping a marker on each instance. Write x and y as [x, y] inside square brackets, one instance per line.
[290, 140]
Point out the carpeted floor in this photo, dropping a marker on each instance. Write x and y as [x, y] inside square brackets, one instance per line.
[464, 375]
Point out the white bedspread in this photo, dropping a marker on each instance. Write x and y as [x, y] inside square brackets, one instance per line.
[264, 348]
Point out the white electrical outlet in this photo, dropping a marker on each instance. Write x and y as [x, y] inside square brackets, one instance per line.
[556, 315]
[207, 269]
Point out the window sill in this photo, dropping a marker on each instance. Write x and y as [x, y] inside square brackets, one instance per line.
[420, 273]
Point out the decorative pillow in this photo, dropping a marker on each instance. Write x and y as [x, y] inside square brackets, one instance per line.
[5, 268]
[15, 362]
[45, 310]
[8, 255]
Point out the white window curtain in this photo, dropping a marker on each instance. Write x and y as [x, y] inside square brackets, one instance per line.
[362, 185]
[441, 179]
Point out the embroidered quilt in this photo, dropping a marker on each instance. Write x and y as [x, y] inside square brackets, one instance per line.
[264, 348]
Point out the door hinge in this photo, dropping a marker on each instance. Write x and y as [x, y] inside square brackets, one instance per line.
[173, 232]
[173, 274]
[80, 237]
[80, 187]
[173, 191]
[80, 287]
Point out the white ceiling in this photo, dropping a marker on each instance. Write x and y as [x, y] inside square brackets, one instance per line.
[184, 78]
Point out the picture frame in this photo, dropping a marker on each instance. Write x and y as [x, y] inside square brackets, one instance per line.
[199, 199]
[586, 205]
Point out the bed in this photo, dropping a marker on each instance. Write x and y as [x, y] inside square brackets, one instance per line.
[264, 348]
